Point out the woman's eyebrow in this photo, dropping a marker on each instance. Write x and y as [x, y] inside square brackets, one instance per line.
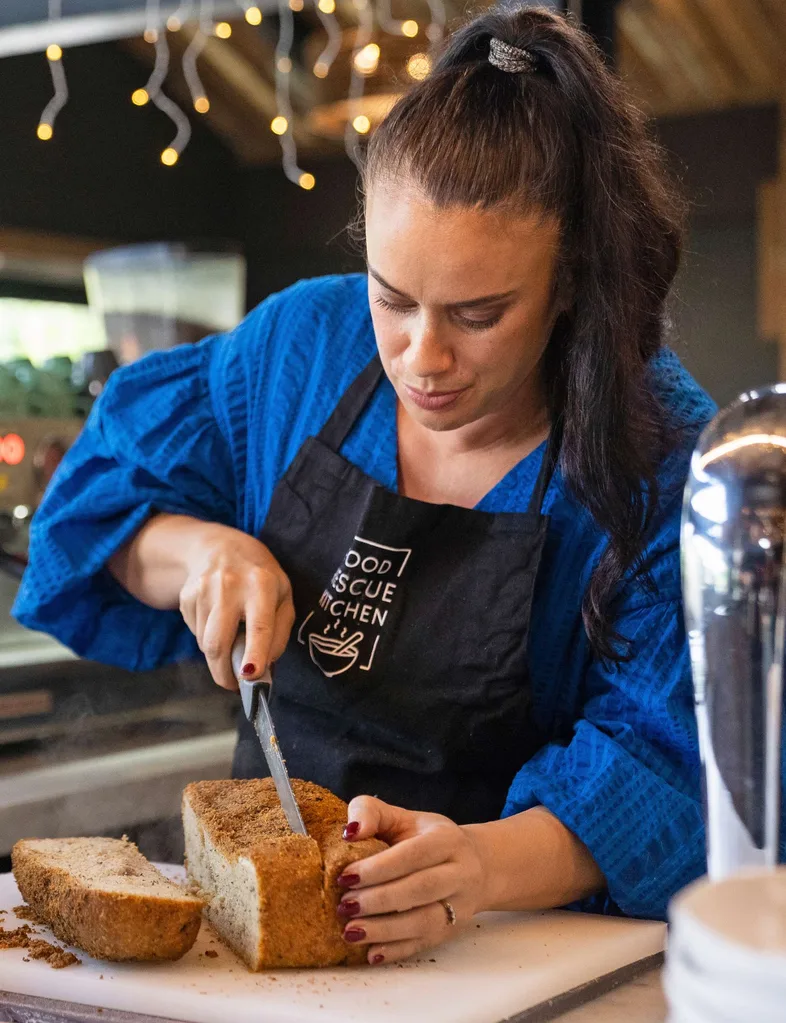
[468, 304]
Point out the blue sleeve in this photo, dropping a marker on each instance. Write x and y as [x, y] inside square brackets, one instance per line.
[628, 782]
[151, 443]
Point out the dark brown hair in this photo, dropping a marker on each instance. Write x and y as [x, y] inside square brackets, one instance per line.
[565, 139]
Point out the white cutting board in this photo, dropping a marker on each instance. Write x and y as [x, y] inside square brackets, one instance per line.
[499, 965]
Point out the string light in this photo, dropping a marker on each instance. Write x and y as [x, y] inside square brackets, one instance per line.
[173, 23]
[282, 123]
[152, 91]
[362, 39]
[419, 66]
[325, 60]
[327, 6]
[409, 29]
[150, 35]
[254, 16]
[435, 32]
[54, 56]
[366, 60]
[361, 124]
[296, 5]
[223, 30]
[191, 55]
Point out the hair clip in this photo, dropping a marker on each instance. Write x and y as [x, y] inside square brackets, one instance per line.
[509, 58]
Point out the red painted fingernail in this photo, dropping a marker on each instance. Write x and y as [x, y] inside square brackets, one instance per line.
[348, 908]
[377, 959]
[351, 830]
[348, 880]
[354, 934]
[249, 669]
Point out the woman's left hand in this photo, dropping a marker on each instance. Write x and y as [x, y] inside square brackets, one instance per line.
[392, 904]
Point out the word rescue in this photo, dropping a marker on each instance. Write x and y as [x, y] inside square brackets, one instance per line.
[371, 585]
[345, 630]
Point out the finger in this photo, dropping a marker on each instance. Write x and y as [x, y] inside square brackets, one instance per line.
[395, 951]
[188, 611]
[410, 856]
[217, 639]
[259, 634]
[368, 816]
[424, 923]
[282, 629]
[419, 889]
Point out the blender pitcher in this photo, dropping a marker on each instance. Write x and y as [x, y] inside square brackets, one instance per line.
[734, 587]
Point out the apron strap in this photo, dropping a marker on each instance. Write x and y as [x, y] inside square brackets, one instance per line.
[352, 402]
[547, 467]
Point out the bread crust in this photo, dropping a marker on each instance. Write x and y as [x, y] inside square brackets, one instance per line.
[295, 876]
[113, 925]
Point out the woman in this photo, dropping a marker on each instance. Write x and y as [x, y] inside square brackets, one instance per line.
[444, 497]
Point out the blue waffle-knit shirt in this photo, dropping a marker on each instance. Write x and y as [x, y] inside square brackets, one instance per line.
[208, 430]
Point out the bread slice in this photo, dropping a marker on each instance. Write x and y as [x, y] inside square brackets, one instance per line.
[102, 895]
[271, 895]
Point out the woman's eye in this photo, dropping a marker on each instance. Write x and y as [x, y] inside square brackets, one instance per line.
[486, 324]
[392, 306]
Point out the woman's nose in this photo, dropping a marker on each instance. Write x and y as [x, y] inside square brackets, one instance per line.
[426, 354]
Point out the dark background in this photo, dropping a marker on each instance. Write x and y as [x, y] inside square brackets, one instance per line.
[101, 177]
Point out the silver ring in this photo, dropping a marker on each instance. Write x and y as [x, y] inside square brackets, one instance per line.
[449, 912]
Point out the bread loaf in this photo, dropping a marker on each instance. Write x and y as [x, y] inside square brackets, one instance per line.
[271, 895]
[102, 895]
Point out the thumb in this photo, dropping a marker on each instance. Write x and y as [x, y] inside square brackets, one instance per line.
[369, 817]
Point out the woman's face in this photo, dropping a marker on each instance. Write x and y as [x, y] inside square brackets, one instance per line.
[462, 304]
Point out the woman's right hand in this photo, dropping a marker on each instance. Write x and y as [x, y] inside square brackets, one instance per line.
[233, 579]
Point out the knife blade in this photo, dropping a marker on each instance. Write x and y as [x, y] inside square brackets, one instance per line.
[255, 706]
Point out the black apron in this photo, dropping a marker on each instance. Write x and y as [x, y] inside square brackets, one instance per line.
[406, 674]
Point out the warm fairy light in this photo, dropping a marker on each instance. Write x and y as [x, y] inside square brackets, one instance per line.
[409, 29]
[139, 97]
[223, 30]
[327, 6]
[254, 16]
[173, 23]
[361, 124]
[201, 104]
[53, 52]
[321, 69]
[367, 59]
[151, 36]
[169, 157]
[44, 131]
[307, 181]
[296, 5]
[419, 66]
[279, 125]
[284, 65]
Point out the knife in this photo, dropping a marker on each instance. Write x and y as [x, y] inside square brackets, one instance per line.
[255, 705]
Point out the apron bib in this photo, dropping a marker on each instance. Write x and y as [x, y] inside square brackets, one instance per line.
[406, 674]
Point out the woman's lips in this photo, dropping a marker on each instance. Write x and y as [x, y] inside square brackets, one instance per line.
[433, 401]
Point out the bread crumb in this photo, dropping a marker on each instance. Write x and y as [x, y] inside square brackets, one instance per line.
[27, 913]
[21, 937]
[211, 953]
[56, 956]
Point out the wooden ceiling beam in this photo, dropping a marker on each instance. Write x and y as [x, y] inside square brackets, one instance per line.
[644, 31]
[746, 39]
